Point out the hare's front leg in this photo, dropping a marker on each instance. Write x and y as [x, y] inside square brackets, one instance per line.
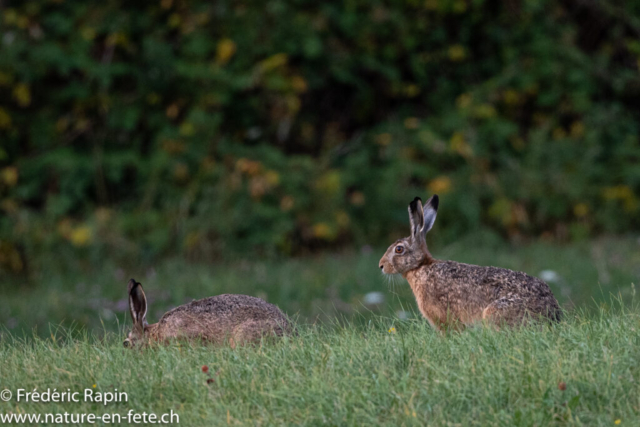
[505, 311]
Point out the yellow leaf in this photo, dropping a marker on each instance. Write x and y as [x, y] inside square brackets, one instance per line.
[116, 39]
[22, 22]
[511, 97]
[559, 133]
[501, 210]
[10, 175]
[329, 183]
[342, 218]
[88, 33]
[273, 62]
[80, 236]
[272, 177]
[187, 129]
[103, 215]
[172, 146]
[484, 111]
[623, 193]
[412, 123]
[10, 206]
[174, 20]
[324, 231]
[10, 257]
[5, 119]
[464, 101]
[192, 240]
[431, 4]
[581, 210]
[10, 16]
[172, 111]
[225, 50]
[208, 164]
[440, 185]
[411, 90]
[65, 228]
[249, 167]
[286, 203]
[457, 53]
[577, 130]
[517, 142]
[5, 78]
[459, 6]
[460, 145]
[62, 124]
[357, 198]
[299, 84]
[293, 103]
[22, 94]
[384, 139]
[181, 172]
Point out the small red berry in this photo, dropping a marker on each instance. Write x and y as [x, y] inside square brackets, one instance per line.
[562, 385]
[205, 368]
[210, 381]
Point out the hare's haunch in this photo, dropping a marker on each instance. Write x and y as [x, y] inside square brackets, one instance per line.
[233, 319]
[451, 293]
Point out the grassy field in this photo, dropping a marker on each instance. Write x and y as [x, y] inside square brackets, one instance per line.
[92, 296]
[354, 363]
[585, 371]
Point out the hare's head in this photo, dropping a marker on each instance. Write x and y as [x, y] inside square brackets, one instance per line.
[411, 252]
[138, 310]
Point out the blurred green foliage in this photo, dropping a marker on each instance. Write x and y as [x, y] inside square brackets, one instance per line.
[213, 128]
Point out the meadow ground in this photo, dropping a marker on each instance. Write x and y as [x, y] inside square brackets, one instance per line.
[347, 366]
[92, 295]
[584, 371]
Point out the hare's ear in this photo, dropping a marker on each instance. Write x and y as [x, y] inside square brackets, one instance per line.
[137, 304]
[416, 217]
[430, 212]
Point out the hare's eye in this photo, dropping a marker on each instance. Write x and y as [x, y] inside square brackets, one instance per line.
[399, 249]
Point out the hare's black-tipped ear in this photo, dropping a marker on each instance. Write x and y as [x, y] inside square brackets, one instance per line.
[416, 217]
[137, 304]
[131, 284]
[430, 212]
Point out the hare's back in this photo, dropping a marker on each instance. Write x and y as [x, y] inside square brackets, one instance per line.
[217, 317]
[509, 282]
[227, 306]
[494, 283]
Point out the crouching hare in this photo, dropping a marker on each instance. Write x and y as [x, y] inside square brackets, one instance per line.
[232, 319]
[453, 294]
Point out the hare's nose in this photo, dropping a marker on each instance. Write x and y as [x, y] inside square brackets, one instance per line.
[381, 266]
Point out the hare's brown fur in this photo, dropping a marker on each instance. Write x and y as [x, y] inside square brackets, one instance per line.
[233, 319]
[450, 293]
[215, 319]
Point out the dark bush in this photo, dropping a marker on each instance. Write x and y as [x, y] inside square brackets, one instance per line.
[276, 127]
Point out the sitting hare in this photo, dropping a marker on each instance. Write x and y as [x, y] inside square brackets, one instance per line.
[235, 319]
[451, 293]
